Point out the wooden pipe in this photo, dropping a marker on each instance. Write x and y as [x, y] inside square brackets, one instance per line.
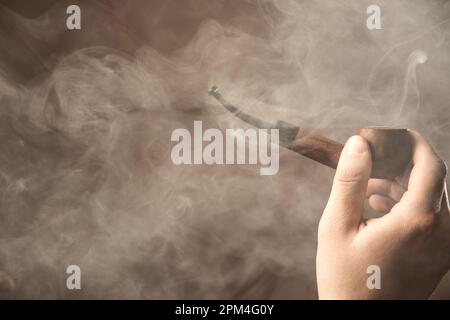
[391, 148]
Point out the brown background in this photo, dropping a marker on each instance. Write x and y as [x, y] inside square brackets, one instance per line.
[86, 118]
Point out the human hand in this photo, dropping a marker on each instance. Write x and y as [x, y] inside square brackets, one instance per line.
[410, 243]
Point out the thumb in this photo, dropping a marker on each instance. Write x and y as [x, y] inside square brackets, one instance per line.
[345, 206]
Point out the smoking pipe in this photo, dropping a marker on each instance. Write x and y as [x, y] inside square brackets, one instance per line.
[390, 147]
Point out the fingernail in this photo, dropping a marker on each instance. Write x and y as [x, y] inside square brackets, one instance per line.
[356, 145]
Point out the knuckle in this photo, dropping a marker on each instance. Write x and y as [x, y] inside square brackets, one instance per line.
[440, 169]
[351, 177]
[327, 227]
[323, 232]
[424, 223]
[323, 224]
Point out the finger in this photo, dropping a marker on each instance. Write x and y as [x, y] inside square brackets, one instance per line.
[381, 204]
[385, 188]
[346, 203]
[427, 179]
[445, 205]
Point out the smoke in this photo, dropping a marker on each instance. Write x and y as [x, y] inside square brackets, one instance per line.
[86, 117]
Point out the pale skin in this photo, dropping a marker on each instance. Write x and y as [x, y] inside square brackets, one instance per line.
[410, 242]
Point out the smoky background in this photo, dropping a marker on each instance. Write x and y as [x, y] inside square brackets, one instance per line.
[86, 117]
